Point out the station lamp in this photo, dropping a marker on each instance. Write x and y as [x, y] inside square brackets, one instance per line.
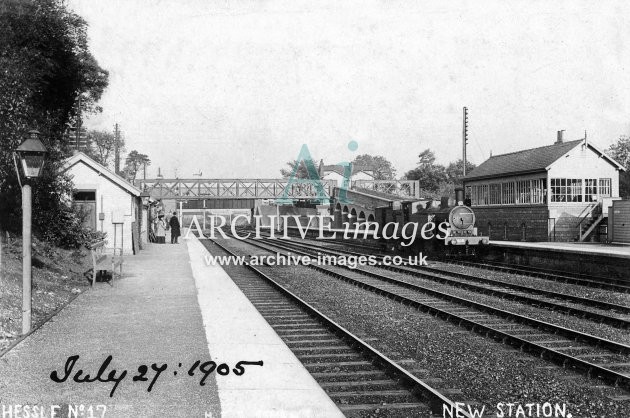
[32, 154]
[146, 198]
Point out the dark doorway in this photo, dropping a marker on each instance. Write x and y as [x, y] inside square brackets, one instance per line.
[85, 200]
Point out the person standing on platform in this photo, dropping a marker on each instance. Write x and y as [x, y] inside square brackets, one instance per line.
[175, 228]
[160, 229]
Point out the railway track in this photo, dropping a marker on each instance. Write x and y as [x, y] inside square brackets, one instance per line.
[357, 377]
[598, 282]
[616, 284]
[614, 314]
[592, 355]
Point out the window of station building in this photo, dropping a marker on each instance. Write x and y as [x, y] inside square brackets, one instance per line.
[590, 190]
[479, 194]
[495, 194]
[566, 190]
[523, 191]
[507, 193]
[539, 191]
[604, 187]
[474, 195]
[485, 193]
[84, 196]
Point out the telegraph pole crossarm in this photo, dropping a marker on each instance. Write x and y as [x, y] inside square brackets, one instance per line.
[464, 138]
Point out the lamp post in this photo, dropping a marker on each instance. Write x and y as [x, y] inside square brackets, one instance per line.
[146, 201]
[31, 154]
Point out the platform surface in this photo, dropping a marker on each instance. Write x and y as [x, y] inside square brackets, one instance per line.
[161, 313]
[588, 248]
[236, 331]
[151, 315]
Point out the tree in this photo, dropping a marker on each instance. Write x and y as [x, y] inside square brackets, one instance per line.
[430, 175]
[455, 171]
[383, 169]
[101, 146]
[45, 67]
[134, 162]
[620, 151]
[302, 171]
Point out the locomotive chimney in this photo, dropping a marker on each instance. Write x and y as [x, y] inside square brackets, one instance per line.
[560, 137]
[444, 202]
[459, 196]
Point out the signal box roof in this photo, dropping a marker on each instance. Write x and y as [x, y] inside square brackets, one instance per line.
[529, 161]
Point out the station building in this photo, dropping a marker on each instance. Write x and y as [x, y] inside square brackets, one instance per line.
[559, 192]
[112, 204]
[336, 172]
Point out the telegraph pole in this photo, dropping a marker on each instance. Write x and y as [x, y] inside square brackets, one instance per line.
[78, 132]
[116, 149]
[464, 137]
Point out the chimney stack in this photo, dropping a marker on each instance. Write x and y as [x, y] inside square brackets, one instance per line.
[560, 137]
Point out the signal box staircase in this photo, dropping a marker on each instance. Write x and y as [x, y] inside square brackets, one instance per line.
[591, 222]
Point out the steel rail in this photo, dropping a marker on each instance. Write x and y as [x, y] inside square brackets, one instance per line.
[621, 285]
[598, 341]
[545, 352]
[438, 275]
[417, 387]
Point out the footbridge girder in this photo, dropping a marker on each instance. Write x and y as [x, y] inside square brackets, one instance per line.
[235, 188]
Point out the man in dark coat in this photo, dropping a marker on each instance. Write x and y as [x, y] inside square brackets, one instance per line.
[174, 224]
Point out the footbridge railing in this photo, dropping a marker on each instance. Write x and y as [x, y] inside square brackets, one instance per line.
[265, 188]
[233, 188]
[403, 188]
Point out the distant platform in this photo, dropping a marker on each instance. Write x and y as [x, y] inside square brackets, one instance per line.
[607, 260]
[586, 248]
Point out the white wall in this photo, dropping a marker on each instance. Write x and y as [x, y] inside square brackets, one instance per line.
[332, 175]
[583, 163]
[112, 200]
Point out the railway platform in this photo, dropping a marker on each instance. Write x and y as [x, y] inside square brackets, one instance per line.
[585, 248]
[585, 258]
[170, 312]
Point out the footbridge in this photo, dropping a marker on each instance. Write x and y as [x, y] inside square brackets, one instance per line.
[234, 188]
[248, 189]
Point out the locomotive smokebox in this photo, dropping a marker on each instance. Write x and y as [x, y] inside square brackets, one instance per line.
[459, 196]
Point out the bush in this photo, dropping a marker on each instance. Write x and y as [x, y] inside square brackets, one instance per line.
[65, 228]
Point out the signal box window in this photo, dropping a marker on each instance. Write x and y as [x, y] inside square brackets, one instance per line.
[566, 190]
[604, 187]
[590, 190]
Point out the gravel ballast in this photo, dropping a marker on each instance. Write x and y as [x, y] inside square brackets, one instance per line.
[487, 372]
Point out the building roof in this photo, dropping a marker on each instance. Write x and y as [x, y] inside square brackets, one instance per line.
[529, 160]
[104, 171]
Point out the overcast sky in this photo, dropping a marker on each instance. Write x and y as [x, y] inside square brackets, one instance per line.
[234, 88]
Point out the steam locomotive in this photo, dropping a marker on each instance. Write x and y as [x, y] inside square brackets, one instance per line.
[449, 226]
[453, 233]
